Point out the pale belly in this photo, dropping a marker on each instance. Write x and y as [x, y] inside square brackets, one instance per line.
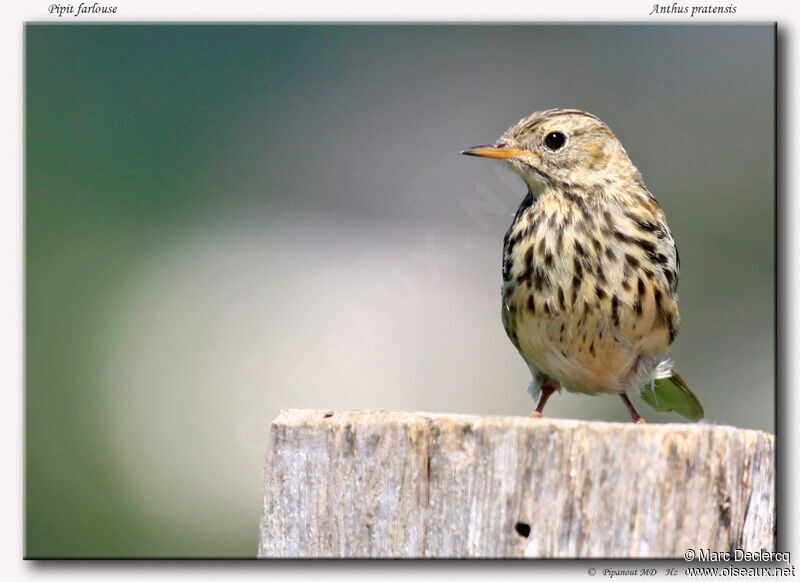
[581, 349]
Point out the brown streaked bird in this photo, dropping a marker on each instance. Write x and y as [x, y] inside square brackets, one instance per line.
[590, 269]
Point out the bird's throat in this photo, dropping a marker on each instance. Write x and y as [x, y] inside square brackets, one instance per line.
[536, 184]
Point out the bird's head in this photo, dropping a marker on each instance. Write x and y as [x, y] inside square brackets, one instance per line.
[561, 146]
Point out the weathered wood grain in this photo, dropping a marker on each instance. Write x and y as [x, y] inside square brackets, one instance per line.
[393, 484]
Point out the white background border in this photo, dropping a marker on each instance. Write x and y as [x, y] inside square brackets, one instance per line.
[11, 267]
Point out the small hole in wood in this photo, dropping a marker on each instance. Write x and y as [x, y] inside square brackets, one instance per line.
[327, 415]
[522, 529]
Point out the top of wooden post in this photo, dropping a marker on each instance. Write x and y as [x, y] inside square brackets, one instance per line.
[354, 483]
[313, 417]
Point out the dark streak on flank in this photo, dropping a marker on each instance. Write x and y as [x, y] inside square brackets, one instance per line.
[601, 275]
[629, 266]
[670, 275]
[576, 264]
[532, 228]
[643, 224]
[576, 285]
[574, 198]
[661, 314]
[646, 245]
[508, 242]
[527, 265]
[659, 258]
[507, 268]
[541, 278]
[637, 304]
[586, 310]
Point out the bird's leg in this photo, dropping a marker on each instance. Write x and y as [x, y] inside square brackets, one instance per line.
[547, 390]
[635, 415]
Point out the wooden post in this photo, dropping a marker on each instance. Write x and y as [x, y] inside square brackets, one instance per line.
[394, 484]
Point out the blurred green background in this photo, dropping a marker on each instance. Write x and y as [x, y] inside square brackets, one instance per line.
[222, 221]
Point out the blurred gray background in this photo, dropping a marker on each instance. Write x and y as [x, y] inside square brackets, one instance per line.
[223, 221]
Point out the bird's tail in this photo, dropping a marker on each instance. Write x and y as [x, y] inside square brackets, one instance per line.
[670, 392]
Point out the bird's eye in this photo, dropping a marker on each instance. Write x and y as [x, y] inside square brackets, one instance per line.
[554, 140]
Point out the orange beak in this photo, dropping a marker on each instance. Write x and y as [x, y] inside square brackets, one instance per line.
[500, 152]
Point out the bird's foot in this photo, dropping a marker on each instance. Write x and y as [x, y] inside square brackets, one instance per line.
[634, 415]
[547, 390]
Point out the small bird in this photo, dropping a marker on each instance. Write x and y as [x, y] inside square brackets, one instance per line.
[590, 269]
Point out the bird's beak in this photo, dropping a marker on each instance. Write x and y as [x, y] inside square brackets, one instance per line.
[500, 151]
